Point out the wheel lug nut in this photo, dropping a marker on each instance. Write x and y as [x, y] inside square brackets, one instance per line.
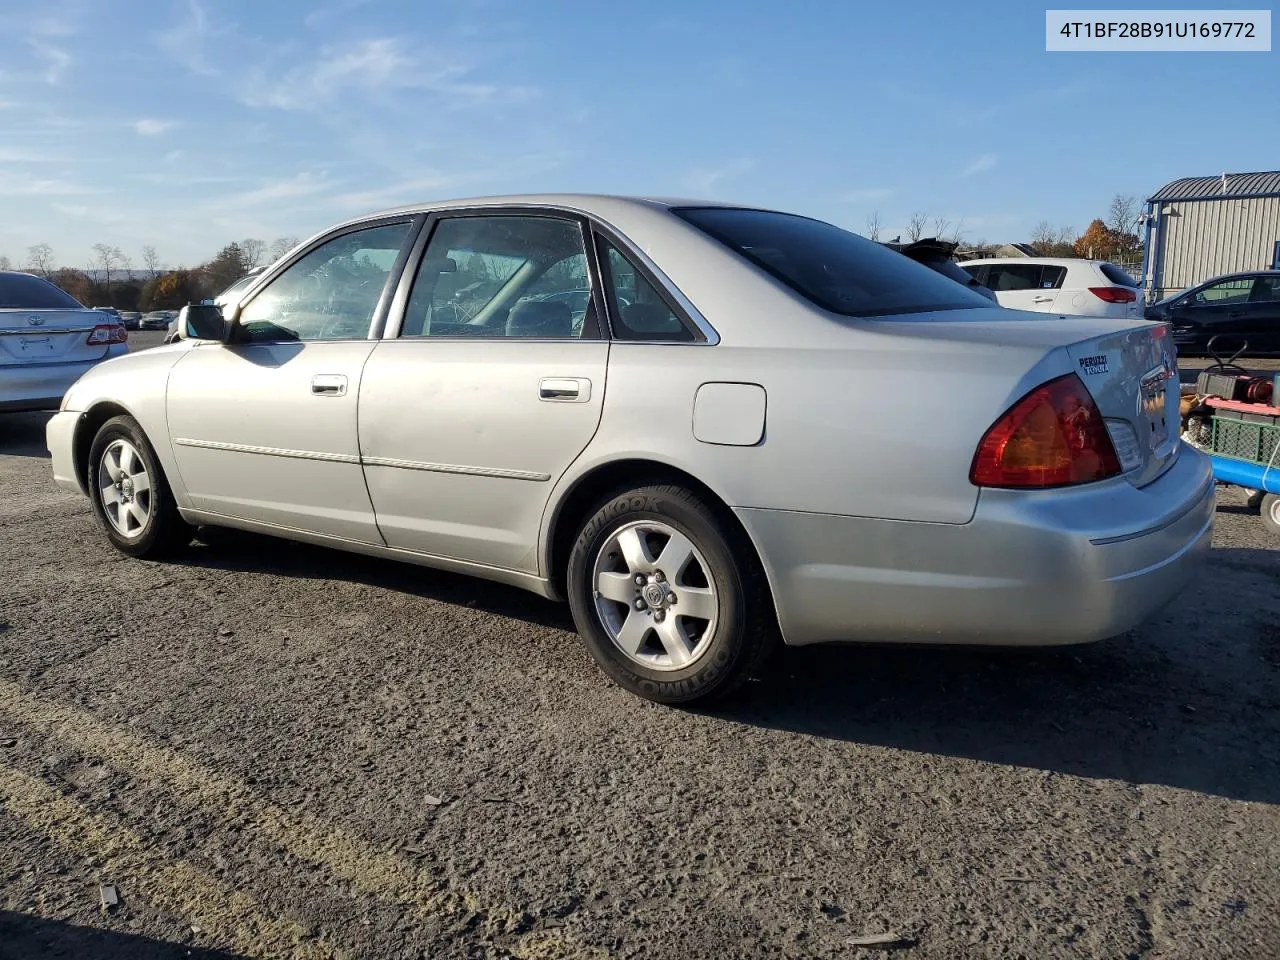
[659, 576]
[639, 604]
[639, 579]
[671, 598]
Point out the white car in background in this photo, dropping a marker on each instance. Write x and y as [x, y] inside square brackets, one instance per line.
[1086, 288]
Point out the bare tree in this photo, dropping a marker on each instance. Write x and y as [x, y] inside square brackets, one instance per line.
[940, 227]
[106, 257]
[1122, 214]
[252, 251]
[5, 263]
[126, 262]
[915, 226]
[151, 259]
[280, 247]
[40, 259]
[873, 225]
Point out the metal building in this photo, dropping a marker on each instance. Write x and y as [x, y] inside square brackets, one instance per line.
[1202, 227]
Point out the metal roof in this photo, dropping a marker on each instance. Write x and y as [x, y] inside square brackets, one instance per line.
[1264, 184]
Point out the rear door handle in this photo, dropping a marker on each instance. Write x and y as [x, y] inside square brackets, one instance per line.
[564, 389]
[1041, 299]
[329, 385]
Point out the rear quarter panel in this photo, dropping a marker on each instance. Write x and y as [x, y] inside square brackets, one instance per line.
[882, 425]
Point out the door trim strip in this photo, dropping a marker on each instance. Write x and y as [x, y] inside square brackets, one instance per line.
[268, 451]
[392, 462]
[456, 468]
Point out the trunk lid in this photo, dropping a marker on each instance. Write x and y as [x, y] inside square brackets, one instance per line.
[1130, 369]
[1132, 375]
[35, 336]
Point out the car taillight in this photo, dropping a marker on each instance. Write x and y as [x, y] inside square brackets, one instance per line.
[1114, 294]
[1052, 437]
[108, 333]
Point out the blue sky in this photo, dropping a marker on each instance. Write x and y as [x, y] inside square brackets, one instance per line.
[189, 123]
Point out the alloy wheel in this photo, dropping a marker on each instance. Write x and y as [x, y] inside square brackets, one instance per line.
[655, 595]
[124, 488]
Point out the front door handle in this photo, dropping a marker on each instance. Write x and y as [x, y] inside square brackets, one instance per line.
[329, 385]
[564, 389]
[1041, 299]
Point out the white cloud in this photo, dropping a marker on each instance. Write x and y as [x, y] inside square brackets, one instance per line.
[185, 42]
[371, 67]
[322, 15]
[58, 61]
[15, 184]
[151, 127]
[979, 165]
[704, 179]
[304, 184]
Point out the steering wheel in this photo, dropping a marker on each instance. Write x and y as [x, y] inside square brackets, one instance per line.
[1230, 363]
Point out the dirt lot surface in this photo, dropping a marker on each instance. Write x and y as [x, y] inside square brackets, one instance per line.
[271, 750]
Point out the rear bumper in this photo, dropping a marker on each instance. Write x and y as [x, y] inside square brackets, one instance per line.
[60, 437]
[1042, 568]
[41, 386]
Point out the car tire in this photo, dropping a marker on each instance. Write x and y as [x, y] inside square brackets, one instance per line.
[637, 632]
[1271, 513]
[138, 511]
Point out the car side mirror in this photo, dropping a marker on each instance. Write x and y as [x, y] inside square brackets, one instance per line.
[203, 321]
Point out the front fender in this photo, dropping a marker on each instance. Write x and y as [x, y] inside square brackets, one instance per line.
[135, 384]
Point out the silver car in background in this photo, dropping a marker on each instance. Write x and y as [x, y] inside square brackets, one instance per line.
[47, 340]
[757, 426]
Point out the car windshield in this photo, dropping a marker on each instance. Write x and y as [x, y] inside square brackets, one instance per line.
[835, 269]
[21, 291]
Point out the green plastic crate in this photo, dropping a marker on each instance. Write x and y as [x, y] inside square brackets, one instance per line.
[1246, 440]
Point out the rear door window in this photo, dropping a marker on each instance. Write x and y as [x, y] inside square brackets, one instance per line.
[1014, 276]
[639, 311]
[1265, 290]
[1225, 291]
[1051, 278]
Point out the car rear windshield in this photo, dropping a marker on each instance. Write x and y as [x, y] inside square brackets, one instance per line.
[1116, 275]
[21, 291]
[835, 269]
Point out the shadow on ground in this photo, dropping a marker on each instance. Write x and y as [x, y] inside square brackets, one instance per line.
[1160, 705]
[24, 937]
[22, 434]
[226, 549]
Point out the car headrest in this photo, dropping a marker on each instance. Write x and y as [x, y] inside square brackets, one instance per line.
[541, 318]
[649, 318]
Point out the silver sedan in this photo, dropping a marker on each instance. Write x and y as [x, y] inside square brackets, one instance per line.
[760, 426]
[47, 340]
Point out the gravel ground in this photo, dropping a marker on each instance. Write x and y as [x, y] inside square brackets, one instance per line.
[272, 750]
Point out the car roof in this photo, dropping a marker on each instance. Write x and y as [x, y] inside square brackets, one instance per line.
[600, 205]
[1239, 273]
